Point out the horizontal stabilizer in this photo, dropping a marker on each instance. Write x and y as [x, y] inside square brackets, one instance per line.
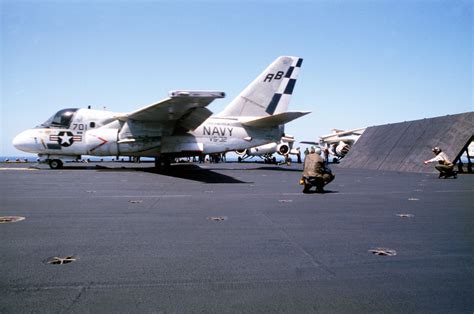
[275, 120]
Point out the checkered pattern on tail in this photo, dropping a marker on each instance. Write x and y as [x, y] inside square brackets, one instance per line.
[281, 98]
[269, 93]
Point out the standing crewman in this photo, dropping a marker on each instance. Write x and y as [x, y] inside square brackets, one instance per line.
[315, 172]
[306, 152]
[445, 166]
[326, 155]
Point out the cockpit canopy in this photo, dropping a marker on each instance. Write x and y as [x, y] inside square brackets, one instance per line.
[62, 119]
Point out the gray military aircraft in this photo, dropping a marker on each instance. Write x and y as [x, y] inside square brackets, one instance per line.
[177, 126]
[339, 142]
[284, 147]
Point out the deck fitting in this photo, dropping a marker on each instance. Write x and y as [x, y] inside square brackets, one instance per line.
[405, 215]
[8, 219]
[61, 260]
[383, 252]
[217, 218]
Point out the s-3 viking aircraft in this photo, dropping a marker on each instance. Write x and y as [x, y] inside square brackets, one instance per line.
[339, 142]
[180, 125]
[284, 147]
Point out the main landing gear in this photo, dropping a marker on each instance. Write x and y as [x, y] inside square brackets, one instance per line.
[162, 163]
[55, 163]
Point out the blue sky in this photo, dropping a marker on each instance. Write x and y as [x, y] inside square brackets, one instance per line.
[365, 62]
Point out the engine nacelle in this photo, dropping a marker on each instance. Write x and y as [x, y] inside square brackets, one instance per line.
[342, 149]
[262, 149]
[241, 152]
[283, 149]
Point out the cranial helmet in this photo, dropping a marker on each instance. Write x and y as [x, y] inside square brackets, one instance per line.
[317, 150]
[436, 150]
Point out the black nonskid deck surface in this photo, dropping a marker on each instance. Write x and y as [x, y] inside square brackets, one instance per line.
[233, 238]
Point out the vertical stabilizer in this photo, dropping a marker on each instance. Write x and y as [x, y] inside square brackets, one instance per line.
[269, 93]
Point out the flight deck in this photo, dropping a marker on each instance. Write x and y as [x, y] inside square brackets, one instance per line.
[233, 237]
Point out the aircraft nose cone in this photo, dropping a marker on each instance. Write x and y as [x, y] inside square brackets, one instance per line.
[24, 142]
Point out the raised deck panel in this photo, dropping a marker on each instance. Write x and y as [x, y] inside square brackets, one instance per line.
[404, 146]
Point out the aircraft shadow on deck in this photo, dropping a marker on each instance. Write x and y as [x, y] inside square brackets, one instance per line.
[188, 172]
[195, 173]
[325, 192]
[184, 171]
[277, 168]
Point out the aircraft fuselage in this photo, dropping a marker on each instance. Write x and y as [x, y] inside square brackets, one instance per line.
[102, 133]
[180, 125]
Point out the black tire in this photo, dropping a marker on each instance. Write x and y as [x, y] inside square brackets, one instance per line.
[55, 164]
[162, 164]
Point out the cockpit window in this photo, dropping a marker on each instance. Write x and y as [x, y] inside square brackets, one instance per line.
[62, 119]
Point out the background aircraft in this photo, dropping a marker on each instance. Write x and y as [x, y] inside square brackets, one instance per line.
[338, 142]
[284, 148]
[180, 125]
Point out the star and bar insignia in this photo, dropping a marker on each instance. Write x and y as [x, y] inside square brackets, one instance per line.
[65, 138]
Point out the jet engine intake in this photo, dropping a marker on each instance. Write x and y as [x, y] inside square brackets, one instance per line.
[342, 149]
[283, 149]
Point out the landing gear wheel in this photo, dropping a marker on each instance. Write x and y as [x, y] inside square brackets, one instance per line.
[162, 163]
[239, 159]
[55, 164]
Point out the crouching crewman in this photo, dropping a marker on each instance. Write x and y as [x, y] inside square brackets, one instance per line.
[445, 166]
[315, 172]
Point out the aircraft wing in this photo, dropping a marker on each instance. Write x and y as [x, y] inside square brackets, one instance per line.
[349, 137]
[187, 109]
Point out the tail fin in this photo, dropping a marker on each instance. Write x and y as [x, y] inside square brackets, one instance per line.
[269, 93]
